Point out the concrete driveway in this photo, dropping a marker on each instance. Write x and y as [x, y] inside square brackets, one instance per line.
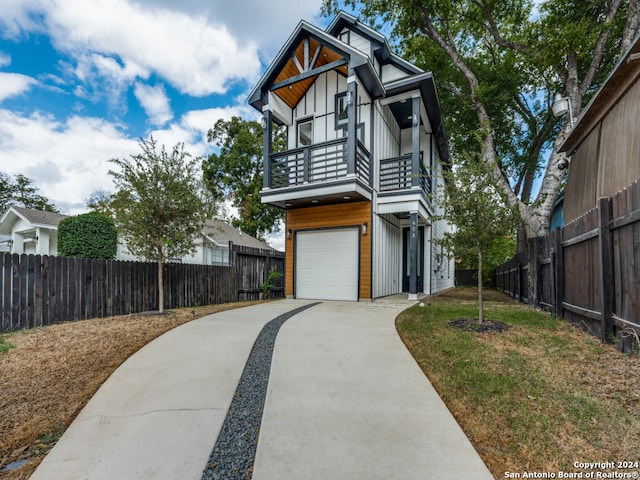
[345, 400]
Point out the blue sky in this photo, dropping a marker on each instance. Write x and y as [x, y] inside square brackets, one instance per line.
[82, 81]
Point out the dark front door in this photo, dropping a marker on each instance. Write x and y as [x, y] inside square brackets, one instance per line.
[405, 260]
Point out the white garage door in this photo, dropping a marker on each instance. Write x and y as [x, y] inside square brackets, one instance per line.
[327, 264]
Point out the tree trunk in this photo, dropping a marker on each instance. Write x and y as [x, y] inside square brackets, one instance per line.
[480, 303]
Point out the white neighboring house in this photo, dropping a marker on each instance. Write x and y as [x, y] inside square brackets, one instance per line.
[212, 247]
[25, 230]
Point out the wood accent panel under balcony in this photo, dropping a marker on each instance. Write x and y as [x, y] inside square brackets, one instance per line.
[330, 216]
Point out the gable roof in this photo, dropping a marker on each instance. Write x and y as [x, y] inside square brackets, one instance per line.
[221, 233]
[381, 49]
[322, 53]
[37, 218]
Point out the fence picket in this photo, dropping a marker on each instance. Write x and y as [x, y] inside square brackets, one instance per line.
[596, 267]
[37, 291]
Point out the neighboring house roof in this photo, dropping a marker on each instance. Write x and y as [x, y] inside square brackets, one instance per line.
[37, 218]
[221, 233]
[621, 78]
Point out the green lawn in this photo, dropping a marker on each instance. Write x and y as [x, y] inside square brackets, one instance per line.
[537, 397]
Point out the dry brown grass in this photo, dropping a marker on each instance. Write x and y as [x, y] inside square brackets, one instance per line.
[52, 372]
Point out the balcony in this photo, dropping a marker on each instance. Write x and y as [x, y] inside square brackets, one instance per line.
[317, 173]
[401, 189]
[396, 174]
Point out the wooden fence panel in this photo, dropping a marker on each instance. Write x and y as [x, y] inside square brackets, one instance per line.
[37, 291]
[588, 272]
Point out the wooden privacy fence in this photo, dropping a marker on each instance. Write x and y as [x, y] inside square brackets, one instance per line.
[587, 272]
[40, 290]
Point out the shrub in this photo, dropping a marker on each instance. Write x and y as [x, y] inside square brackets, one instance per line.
[90, 235]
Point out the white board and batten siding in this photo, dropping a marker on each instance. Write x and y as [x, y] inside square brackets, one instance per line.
[327, 264]
[319, 103]
[386, 256]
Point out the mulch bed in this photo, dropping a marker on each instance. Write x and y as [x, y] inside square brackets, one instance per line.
[473, 325]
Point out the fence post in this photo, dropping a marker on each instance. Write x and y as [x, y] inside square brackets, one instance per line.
[559, 293]
[606, 265]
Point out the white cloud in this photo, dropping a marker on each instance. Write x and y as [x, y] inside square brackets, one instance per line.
[268, 24]
[200, 47]
[191, 129]
[155, 103]
[12, 84]
[4, 59]
[197, 57]
[67, 160]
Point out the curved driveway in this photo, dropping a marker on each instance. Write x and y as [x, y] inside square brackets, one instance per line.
[345, 400]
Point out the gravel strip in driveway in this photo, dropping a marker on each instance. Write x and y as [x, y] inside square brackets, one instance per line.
[234, 452]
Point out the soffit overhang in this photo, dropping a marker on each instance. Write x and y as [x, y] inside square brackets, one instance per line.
[427, 87]
[308, 53]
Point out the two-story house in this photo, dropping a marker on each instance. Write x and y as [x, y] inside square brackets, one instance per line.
[366, 149]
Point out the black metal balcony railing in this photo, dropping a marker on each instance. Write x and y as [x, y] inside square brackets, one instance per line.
[397, 174]
[317, 163]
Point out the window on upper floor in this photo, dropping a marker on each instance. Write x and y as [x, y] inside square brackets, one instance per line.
[305, 132]
[342, 113]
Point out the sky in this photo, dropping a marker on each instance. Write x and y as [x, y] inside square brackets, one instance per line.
[81, 82]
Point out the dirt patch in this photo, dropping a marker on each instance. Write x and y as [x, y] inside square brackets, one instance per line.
[53, 371]
[474, 325]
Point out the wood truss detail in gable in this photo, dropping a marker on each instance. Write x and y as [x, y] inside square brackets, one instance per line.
[309, 60]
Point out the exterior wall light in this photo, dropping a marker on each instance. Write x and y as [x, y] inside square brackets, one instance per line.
[562, 105]
[289, 233]
[364, 228]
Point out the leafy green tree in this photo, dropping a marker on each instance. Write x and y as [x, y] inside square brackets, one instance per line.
[480, 212]
[236, 173]
[160, 206]
[502, 248]
[499, 64]
[90, 235]
[20, 190]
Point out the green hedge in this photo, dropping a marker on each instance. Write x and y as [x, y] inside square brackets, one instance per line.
[90, 235]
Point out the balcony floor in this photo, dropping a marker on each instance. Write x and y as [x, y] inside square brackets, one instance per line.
[349, 189]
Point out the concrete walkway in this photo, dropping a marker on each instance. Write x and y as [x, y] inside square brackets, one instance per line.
[345, 401]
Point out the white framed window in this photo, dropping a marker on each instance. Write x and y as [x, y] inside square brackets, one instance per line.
[305, 132]
[342, 112]
[219, 256]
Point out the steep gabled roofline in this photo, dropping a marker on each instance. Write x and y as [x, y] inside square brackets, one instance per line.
[25, 215]
[357, 59]
[384, 53]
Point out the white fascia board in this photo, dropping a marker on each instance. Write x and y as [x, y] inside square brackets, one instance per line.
[279, 109]
[294, 193]
[398, 98]
[403, 203]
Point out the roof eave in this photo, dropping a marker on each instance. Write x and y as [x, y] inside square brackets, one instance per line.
[356, 58]
[427, 86]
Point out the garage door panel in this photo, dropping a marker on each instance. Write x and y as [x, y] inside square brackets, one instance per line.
[327, 264]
